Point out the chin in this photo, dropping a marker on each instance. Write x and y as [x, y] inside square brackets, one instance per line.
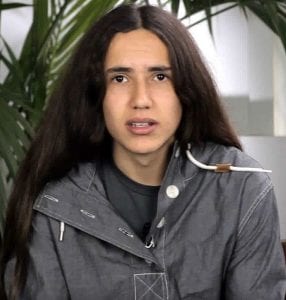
[146, 149]
[142, 150]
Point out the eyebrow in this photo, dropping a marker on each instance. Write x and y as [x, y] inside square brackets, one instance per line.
[121, 69]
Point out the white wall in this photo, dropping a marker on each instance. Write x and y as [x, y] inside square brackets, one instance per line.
[15, 24]
[249, 64]
[269, 151]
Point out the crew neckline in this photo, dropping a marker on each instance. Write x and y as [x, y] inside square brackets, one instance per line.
[131, 184]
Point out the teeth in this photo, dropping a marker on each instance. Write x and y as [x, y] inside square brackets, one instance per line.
[140, 124]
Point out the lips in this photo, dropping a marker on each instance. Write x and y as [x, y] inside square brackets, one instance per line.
[141, 126]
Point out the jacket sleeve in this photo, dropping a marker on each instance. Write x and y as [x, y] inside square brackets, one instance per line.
[45, 278]
[257, 269]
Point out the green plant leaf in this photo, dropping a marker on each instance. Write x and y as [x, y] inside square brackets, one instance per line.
[83, 20]
[208, 13]
[7, 155]
[175, 6]
[5, 6]
[8, 93]
[15, 131]
[15, 72]
[3, 194]
[273, 14]
[208, 18]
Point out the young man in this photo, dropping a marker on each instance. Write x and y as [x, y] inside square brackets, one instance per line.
[124, 202]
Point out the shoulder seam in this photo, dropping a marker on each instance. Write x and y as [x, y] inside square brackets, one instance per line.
[252, 208]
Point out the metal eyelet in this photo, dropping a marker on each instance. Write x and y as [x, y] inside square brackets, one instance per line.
[150, 244]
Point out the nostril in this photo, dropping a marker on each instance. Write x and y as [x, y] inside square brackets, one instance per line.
[141, 107]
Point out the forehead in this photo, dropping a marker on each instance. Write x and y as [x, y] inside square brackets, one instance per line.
[137, 47]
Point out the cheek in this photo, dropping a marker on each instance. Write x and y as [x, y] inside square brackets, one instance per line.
[114, 101]
[108, 112]
[112, 115]
[176, 109]
[169, 100]
[172, 115]
[176, 115]
[109, 105]
[180, 112]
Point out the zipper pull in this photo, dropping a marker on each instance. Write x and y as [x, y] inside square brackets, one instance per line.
[62, 230]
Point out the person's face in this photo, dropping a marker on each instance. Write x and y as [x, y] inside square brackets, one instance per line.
[141, 109]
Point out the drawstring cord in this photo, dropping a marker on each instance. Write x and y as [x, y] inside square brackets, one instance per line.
[221, 167]
[216, 168]
[62, 230]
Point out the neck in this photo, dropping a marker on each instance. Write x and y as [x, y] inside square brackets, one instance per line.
[146, 169]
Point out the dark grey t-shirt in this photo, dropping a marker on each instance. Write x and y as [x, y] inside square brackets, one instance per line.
[135, 202]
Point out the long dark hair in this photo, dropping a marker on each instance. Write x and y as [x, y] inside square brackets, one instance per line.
[73, 129]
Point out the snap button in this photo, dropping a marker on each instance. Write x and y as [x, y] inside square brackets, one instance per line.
[172, 191]
[161, 223]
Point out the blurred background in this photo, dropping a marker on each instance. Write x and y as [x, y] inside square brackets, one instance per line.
[243, 42]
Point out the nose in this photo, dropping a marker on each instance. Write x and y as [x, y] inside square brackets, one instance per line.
[141, 96]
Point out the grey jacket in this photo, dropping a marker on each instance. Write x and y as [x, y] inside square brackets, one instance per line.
[215, 236]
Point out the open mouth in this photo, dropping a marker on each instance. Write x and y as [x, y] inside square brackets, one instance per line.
[141, 124]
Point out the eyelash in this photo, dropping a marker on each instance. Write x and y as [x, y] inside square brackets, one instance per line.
[115, 78]
[161, 74]
[123, 77]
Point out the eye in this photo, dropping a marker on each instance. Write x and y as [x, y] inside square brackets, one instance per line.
[161, 77]
[119, 79]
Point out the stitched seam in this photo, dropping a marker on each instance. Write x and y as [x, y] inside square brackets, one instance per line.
[135, 290]
[107, 204]
[139, 274]
[164, 236]
[167, 289]
[190, 178]
[90, 182]
[252, 208]
[39, 199]
[150, 287]
[164, 264]
[104, 237]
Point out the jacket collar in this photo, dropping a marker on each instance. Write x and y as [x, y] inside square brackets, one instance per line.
[79, 200]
